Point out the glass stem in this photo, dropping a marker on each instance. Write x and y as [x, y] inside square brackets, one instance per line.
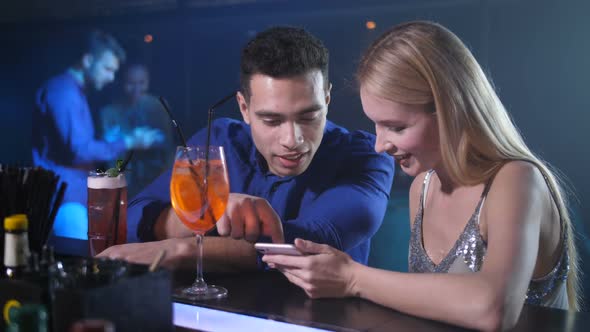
[199, 281]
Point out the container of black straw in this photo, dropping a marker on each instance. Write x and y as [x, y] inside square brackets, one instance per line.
[36, 192]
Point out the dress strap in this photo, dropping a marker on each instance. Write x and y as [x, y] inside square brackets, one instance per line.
[482, 199]
[425, 188]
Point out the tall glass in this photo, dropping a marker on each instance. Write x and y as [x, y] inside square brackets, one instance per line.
[199, 194]
[107, 211]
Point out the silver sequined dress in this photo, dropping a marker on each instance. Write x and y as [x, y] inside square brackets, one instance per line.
[468, 255]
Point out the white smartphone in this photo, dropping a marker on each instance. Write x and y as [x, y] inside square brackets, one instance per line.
[277, 249]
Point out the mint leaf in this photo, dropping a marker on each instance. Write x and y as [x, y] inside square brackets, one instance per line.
[112, 172]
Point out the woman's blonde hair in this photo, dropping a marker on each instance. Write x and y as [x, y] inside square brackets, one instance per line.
[424, 63]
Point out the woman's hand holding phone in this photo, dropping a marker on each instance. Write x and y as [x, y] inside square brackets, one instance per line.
[277, 249]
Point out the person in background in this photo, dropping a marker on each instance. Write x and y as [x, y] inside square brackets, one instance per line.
[292, 172]
[63, 130]
[490, 231]
[138, 109]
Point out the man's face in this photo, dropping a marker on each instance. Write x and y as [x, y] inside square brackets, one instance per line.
[136, 83]
[287, 117]
[100, 70]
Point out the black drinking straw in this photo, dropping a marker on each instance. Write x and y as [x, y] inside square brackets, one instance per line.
[208, 141]
[116, 213]
[56, 204]
[209, 119]
[126, 161]
[174, 123]
[33, 191]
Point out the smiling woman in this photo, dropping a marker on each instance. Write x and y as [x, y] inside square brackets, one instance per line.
[408, 132]
[490, 229]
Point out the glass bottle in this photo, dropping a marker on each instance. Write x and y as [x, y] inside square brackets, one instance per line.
[16, 246]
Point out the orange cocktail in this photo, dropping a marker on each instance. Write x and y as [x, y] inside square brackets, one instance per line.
[199, 192]
[197, 209]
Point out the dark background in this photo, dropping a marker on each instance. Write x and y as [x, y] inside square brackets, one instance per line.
[536, 52]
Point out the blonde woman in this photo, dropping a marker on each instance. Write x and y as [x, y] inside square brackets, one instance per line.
[490, 228]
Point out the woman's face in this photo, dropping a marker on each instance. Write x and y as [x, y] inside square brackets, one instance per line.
[407, 132]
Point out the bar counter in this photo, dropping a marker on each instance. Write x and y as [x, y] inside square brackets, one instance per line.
[269, 295]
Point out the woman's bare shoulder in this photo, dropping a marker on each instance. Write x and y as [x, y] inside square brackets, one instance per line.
[518, 185]
[518, 173]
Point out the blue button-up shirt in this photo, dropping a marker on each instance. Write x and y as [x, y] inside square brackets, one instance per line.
[340, 200]
[63, 135]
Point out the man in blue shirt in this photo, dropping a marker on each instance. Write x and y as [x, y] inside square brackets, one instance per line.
[293, 174]
[63, 130]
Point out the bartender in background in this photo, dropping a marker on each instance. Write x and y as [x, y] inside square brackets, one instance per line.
[137, 108]
[63, 129]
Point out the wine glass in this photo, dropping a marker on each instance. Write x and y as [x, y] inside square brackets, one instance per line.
[199, 192]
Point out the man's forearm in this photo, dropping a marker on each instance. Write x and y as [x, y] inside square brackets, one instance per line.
[168, 226]
[220, 254]
[224, 254]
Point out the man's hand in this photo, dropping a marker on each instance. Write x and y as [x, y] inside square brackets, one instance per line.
[143, 138]
[179, 252]
[249, 217]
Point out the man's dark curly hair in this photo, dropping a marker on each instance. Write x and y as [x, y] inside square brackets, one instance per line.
[282, 52]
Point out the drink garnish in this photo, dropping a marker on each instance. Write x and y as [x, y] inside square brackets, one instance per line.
[113, 172]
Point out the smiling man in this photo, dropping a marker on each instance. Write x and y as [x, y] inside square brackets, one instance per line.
[293, 174]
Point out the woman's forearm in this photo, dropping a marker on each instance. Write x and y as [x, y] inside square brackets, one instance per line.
[469, 300]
